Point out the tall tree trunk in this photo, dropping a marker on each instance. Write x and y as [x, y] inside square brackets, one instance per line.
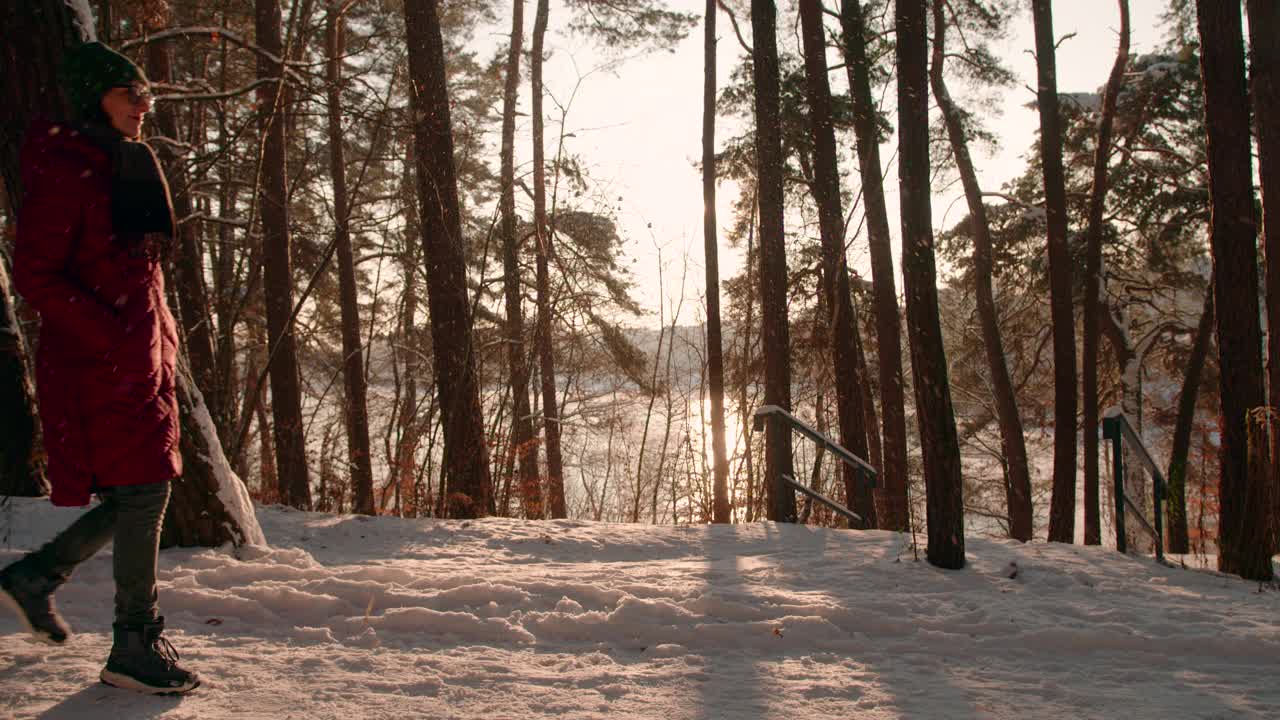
[543, 234]
[1178, 537]
[226, 293]
[524, 439]
[410, 424]
[36, 33]
[1062, 508]
[1264, 74]
[748, 322]
[1242, 545]
[842, 319]
[872, 421]
[188, 264]
[928, 362]
[710, 238]
[893, 473]
[1017, 476]
[355, 409]
[1093, 283]
[286, 389]
[465, 455]
[773, 259]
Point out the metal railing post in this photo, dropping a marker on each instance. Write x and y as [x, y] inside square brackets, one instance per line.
[1111, 431]
[1157, 487]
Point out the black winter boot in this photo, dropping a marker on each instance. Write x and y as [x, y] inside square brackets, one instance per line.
[29, 591]
[143, 660]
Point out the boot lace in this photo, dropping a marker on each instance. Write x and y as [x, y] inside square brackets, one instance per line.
[165, 651]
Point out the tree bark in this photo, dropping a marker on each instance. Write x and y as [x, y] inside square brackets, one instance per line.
[842, 319]
[1179, 541]
[1242, 547]
[188, 265]
[928, 362]
[286, 390]
[546, 249]
[524, 438]
[1264, 74]
[776, 334]
[355, 409]
[410, 424]
[36, 33]
[1017, 476]
[1062, 513]
[893, 473]
[465, 455]
[1093, 284]
[710, 238]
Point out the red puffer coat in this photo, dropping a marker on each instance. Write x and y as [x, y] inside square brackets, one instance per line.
[105, 365]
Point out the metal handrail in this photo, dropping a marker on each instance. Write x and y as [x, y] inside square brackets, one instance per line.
[1117, 429]
[865, 471]
[835, 506]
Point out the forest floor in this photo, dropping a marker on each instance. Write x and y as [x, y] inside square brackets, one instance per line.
[351, 617]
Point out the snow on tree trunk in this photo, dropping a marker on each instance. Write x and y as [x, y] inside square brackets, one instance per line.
[82, 18]
[210, 506]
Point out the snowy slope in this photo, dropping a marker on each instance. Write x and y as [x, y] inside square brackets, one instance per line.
[348, 617]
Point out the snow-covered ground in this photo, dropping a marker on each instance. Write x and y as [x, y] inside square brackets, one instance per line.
[349, 617]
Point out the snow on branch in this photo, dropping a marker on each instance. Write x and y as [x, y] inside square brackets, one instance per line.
[1034, 212]
[214, 33]
[213, 219]
[187, 95]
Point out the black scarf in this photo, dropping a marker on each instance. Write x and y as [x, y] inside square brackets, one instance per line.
[141, 210]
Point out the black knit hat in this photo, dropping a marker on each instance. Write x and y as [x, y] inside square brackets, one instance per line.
[89, 71]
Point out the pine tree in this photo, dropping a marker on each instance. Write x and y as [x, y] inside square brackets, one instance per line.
[1242, 533]
[929, 364]
[465, 453]
[1062, 514]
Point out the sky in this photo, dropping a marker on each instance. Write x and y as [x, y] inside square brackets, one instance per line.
[639, 126]
[494, 619]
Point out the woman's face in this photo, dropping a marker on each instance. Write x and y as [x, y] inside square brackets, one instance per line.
[126, 105]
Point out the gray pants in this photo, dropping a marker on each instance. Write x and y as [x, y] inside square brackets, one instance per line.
[129, 515]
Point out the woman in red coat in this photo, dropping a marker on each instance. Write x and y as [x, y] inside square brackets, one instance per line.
[95, 223]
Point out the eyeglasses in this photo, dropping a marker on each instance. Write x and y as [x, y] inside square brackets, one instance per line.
[138, 93]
